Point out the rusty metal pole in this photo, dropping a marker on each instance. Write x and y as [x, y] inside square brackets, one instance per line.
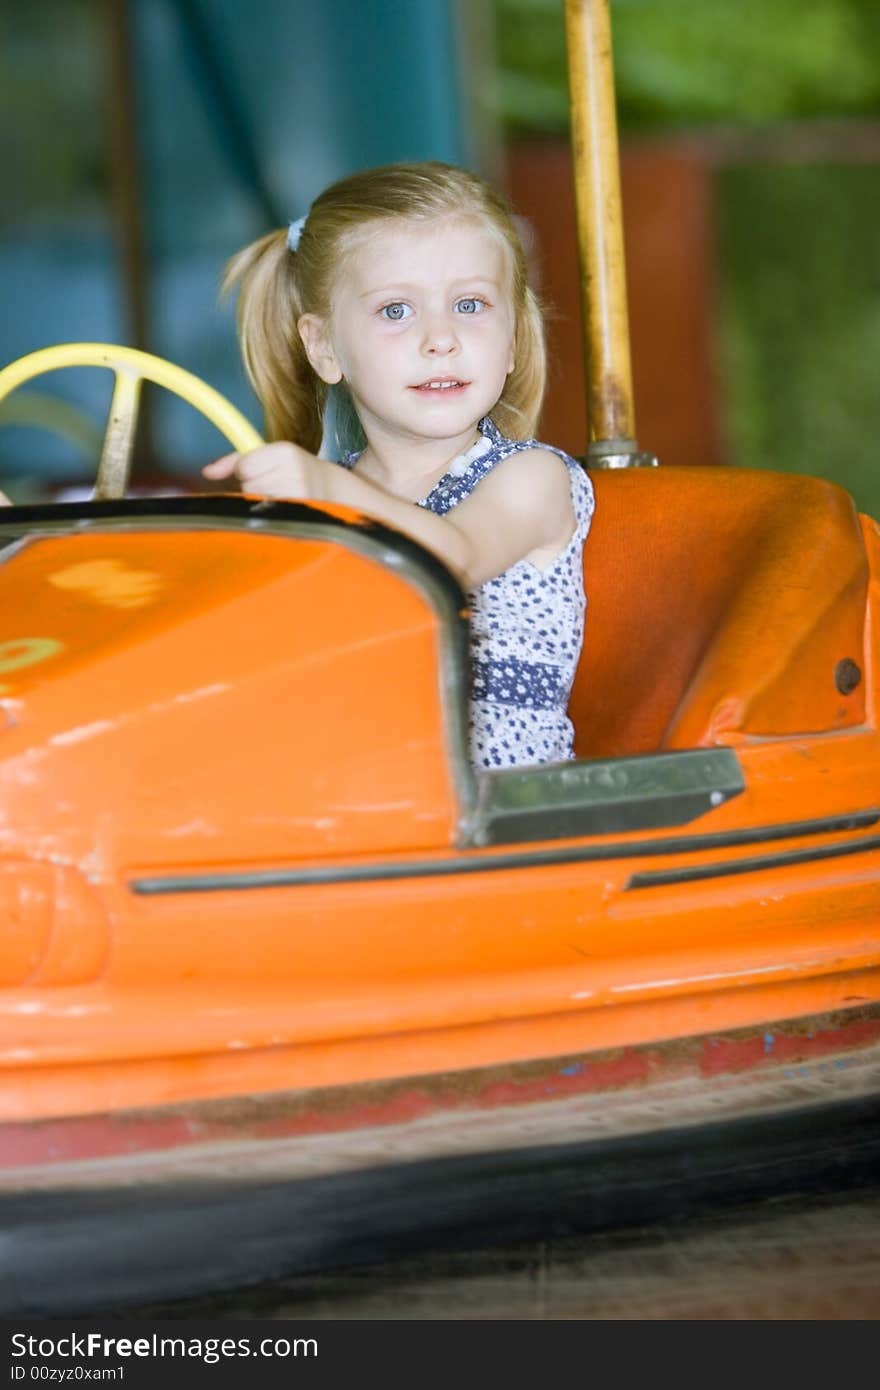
[608, 372]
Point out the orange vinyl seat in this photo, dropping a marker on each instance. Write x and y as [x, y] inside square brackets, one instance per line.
[721, 604]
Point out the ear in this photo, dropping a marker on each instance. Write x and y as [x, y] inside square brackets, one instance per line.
[315, 335]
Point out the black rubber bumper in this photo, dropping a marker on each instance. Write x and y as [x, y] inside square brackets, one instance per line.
[71, 1253]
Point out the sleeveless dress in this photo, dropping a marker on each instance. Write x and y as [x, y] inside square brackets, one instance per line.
[527, 624]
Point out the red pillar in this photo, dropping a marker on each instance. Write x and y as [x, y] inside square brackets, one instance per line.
[670, 256]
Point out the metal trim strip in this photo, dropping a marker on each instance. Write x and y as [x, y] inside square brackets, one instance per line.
[488, 863]
[658, 878]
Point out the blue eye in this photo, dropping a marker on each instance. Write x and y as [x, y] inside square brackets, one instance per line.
[470, 306]
[396, 312]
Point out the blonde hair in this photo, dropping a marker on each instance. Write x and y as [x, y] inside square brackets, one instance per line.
[277, 286]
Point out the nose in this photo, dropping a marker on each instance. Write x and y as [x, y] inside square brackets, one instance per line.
[440, 338]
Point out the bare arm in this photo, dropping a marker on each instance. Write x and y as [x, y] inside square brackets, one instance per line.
[521, 509]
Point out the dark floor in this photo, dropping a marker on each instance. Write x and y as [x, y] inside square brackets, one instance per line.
[785, 1258]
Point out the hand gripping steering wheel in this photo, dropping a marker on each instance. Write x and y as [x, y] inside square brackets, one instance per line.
[131, 367]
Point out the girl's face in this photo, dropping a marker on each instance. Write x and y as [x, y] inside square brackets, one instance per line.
[421, 329]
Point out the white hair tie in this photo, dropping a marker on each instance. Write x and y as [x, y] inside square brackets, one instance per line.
[295, 231]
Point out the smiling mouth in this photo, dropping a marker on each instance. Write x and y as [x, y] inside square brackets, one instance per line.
[440, 384]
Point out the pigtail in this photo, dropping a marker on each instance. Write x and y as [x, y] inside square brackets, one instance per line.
[289, 390]
[517, 412]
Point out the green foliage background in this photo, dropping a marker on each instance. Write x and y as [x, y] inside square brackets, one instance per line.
[798, 330]
[684, 62]
[52, 146]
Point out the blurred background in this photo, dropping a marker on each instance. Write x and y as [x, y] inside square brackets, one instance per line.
[144, 141]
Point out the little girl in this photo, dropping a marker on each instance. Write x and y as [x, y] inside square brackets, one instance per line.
[395, 324]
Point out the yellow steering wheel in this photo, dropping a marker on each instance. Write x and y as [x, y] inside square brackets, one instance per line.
[131, 367]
